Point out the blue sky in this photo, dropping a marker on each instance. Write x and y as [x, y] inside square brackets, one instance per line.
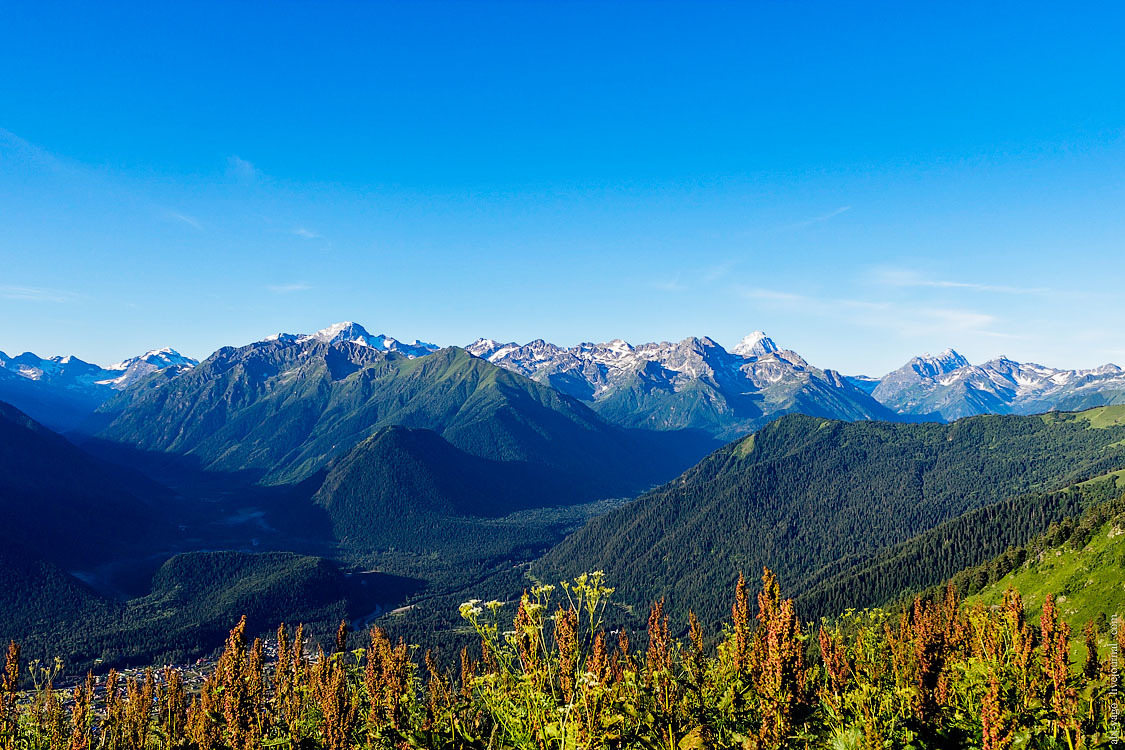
[864, 182]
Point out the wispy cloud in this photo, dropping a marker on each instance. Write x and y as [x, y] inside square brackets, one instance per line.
[241, 169]
[822, 218]
[668, 285]
[191, 221]
[306, 233]
[299, 286]
[773, 295]
[905, 278]
[34, 294]
[718, 271]
[903, 319]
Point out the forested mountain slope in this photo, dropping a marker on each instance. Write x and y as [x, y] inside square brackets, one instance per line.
[60, 504]
[193, 599]
[804, 493]
[411, 490]
[981, 541]
[279, 410]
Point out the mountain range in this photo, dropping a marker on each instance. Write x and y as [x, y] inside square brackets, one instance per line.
[692, 384]
[60, 392]
[695, 383]
[948, 387]
[280, 410]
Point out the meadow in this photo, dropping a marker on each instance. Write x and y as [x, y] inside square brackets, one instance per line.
[550, 673]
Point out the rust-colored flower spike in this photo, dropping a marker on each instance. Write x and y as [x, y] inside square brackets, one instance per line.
[81, 716]
[439, 692]
[527, 642]
[566, 638]
[1013, 609]
[835, 660]
[658, 659]
[488, 660]
[137, 712]
[769, 598]
[342, 637]
[52, 727]
[622, 660]
[598, 663]
[779, 675]
[1064, 699]
[387, 678]
[335, 701]
[994, 734]
[468, 672]
[930, 657]
[171, 702]
[697, 660]
[1048, 621]
[740, 618]
[9, 683]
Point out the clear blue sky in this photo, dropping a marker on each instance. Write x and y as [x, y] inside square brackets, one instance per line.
[862, 181]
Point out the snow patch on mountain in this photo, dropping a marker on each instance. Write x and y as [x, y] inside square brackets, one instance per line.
[349, 332]
[949, 386]
[757, 344]
[133, 369]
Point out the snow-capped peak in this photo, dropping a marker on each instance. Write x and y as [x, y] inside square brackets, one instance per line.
[160, 358]
[344, 331]
[349, 332]
[133, 369]
[757, 344]
[930, 365]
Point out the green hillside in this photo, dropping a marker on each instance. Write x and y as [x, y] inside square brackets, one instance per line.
[1081, 562]
[805, 494]
[412, 491]
[993, 532]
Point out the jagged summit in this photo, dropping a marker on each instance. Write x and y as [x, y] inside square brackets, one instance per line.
[948, 386]
[350, 332]
[160, 358]
[929, 365]
[757, 344]
[694, 382]
[343, 331]
[131, 370]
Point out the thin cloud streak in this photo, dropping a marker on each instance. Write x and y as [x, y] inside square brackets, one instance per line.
[822, 218]
[191, 221]
[903, 278]
[34, 294]
[905, 320]
[299, 286]
[305, 233]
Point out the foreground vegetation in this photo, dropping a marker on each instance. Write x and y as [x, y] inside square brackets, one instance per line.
[939, 675]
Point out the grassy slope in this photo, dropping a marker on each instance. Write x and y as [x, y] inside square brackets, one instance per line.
[1087, 582]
